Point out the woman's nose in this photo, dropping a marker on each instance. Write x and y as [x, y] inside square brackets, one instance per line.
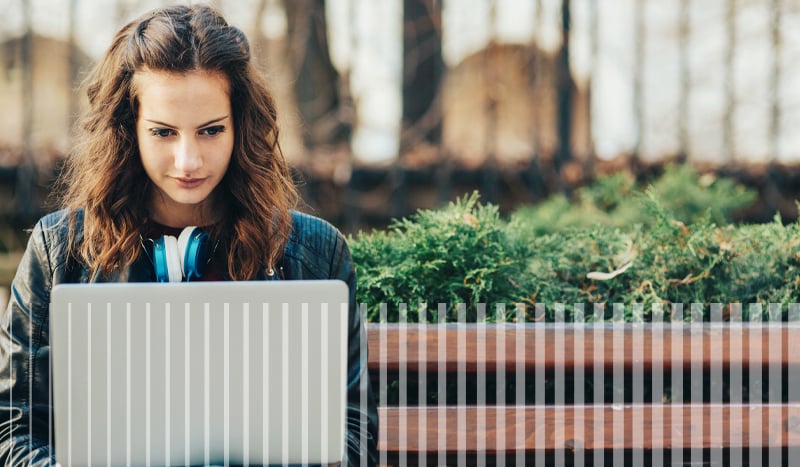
[187, 156]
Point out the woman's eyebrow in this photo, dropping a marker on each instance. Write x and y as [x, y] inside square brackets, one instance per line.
[159, 123]
[211, 122]
[167, 125]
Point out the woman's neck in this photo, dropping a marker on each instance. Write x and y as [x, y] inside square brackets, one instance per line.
[177, 215]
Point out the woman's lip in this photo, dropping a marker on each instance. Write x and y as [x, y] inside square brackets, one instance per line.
[189, 182]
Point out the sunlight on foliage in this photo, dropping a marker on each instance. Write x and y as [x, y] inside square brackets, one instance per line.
[667, 244]
[616, 201]
[458, 254]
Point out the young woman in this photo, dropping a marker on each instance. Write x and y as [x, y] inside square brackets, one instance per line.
[180, 131]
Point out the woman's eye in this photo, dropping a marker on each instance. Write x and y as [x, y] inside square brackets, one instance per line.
[213, 131]
[161, 132]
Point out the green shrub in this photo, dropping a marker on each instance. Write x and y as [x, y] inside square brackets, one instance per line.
[666, 264]
[615, 200]
[457, 254]
[667, 245]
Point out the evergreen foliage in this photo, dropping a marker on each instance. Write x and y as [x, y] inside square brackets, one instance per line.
[616, 200]
[458, 254]
[667, 244]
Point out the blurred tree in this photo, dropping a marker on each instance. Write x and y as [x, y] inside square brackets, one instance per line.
[317, 83]
[565, 90]
[423, 68]
[26, 171]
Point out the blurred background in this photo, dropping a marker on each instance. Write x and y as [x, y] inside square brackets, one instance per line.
[389, 106]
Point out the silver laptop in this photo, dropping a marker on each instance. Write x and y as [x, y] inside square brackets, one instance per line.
[199, 373]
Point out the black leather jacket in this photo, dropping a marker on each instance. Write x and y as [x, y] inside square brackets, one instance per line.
[316, 250]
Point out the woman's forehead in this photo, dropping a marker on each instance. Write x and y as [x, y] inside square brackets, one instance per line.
[165, 78]
[185, 98]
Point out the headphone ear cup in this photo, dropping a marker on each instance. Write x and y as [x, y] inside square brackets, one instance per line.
[160, 260]
[173, 259]
[193, 248]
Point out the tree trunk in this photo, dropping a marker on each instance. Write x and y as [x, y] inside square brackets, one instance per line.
[316, 80]
[565, 90]
[423, 68]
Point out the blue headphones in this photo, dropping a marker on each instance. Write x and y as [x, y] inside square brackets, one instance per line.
[185, 256]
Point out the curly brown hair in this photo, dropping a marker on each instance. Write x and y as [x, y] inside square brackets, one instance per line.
[104, 175]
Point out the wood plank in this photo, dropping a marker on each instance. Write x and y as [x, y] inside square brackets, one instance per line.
[415, 430]
[417, 346]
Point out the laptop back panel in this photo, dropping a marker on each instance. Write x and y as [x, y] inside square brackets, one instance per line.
[199, 373]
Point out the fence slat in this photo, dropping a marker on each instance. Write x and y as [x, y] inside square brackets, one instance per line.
[576, 419]
[755, 338]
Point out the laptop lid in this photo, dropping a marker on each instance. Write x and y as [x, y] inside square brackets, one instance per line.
[199, 373]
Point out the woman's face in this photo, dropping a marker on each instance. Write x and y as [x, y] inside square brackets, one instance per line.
[185, 132]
